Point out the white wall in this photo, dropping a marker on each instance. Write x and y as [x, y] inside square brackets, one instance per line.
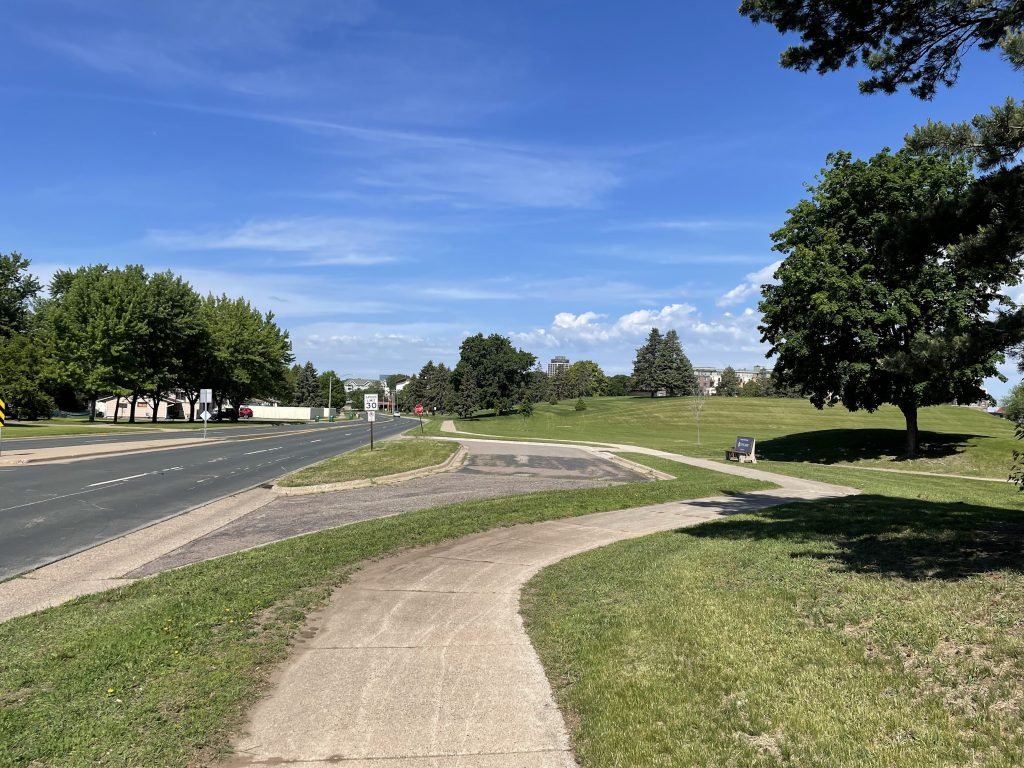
[290, 413]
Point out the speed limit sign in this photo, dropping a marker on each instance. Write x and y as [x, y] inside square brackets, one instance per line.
[370, 402]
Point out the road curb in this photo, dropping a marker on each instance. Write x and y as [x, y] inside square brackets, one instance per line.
[450, 464]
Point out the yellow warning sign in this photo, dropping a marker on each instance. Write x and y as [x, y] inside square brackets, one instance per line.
[3, 413]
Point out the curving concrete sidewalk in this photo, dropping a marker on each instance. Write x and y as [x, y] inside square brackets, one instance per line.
[421, 660]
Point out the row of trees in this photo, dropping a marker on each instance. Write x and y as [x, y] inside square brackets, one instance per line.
[125, 332]
[493, 375]
[892, 287]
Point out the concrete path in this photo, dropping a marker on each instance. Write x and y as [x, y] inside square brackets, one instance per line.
[421, 660]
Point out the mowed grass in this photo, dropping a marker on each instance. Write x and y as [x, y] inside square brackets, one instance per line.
[389, 457]
[158, 673]
[879, 630]
[954, 440]
[65, 427]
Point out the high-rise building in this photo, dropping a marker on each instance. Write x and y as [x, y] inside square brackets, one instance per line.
[558, 363]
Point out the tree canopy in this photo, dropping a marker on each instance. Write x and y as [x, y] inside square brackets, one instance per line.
[499, 372]
[916, 43]
[729, 384]
[874, 305]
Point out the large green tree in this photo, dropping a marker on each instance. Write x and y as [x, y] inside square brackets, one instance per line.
[920, 44]
[18, 290]
[499, 371]
[875, 303]
[23, 366]
[175, 333]
[250, 354]
[94, 323]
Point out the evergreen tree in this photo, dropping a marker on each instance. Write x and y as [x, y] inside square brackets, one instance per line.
[645, 375]
[673, 368]
[729, 384]
[307, 388]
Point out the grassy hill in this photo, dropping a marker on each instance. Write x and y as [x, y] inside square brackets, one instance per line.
[954, 440]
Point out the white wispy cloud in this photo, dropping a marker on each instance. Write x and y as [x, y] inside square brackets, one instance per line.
[324, 240]
[750, 287]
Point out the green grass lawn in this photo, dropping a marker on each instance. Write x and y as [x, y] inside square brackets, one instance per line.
[64, 426]
[954, 440]
[389, 457]
[879, 630]
[158, 673]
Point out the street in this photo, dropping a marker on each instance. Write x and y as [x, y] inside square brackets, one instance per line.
[50, 511]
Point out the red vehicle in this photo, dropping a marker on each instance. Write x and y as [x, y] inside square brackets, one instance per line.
[245, 412]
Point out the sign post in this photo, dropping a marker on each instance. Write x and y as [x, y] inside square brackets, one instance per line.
[205, 402]
[370, 405]
[3, 421]
[419, 413]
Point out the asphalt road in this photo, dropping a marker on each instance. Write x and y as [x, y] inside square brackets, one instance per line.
[50, 511]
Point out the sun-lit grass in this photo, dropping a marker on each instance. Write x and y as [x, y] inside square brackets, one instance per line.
[158, 673]
[875, 630]
[389, 457]
[954, 440]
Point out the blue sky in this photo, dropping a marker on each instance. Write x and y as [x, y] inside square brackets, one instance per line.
[389, 177]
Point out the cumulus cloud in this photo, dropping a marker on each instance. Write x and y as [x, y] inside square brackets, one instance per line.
[751, 286]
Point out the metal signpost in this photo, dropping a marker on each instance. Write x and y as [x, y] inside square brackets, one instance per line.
[3, 421]
[205, 402]
[370, 405]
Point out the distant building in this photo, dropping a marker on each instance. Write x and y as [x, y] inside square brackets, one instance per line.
[709, 378]
[558, 364]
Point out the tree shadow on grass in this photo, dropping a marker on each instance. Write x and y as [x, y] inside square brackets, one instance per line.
[886, 536]
[829, 446]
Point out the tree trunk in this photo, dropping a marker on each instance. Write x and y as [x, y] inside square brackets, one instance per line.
[192, 406]
[117, 408]
[910, 414]
[131, 411]
[156, 405]
[92, 409]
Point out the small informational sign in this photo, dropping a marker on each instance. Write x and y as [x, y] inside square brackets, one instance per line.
[371, 416]
[206, 396]
[370, 402]
[205, 415]
[419, 410]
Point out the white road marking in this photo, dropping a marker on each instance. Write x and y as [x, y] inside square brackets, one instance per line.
[320, 440]
[135, 477]
[265, 450]
[118, 480]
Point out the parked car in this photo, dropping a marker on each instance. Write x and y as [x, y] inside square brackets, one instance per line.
[227, 414]
[244, 412]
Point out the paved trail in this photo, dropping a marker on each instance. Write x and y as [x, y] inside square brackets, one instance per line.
[421, 660]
